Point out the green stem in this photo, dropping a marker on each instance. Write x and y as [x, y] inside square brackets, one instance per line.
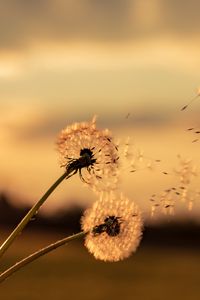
[31, 213]
[37, 254]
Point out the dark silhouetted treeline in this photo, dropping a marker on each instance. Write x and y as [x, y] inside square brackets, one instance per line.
[174, 233]
[66, 221]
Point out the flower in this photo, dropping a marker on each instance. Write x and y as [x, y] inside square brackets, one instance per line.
[114, 227]
[91, 152]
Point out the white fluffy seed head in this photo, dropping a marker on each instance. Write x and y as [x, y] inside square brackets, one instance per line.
[113, 248]
[103, 174]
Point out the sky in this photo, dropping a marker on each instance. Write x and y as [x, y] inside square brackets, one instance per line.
[64, 61]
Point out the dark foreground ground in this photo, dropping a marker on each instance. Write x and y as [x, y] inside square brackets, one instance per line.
[164, 267]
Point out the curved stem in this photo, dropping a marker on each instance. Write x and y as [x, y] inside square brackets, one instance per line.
[31, 213]
[37, 254]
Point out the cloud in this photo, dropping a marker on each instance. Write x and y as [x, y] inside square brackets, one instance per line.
[181, 17]
[24, 22]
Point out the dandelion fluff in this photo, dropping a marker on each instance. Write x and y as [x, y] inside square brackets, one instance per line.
[91, 152]
[114, 227]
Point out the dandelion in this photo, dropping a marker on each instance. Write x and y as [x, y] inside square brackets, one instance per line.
[114, 227]
[90, 152]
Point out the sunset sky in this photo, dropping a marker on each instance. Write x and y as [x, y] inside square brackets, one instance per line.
[64, 61]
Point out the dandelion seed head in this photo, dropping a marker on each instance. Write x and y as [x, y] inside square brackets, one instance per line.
[91, 152]
[114, 226]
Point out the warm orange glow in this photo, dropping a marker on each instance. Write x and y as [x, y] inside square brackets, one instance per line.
[139, 60]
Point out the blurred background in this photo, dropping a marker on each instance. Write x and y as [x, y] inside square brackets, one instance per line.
[134, 63]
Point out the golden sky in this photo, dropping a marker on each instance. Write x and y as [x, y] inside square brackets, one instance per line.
[63, 61]
[108, 56]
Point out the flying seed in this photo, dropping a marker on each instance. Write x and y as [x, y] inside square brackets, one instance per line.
[192, 100]
[189, 129]
[168, 205]
[184, 107]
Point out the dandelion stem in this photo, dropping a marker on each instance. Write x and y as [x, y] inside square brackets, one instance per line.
[38, 254]
[31, 213]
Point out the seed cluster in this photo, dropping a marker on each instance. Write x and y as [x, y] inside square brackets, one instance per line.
[90, 152]
[114, 225]
[166, 201]
[111, 226]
